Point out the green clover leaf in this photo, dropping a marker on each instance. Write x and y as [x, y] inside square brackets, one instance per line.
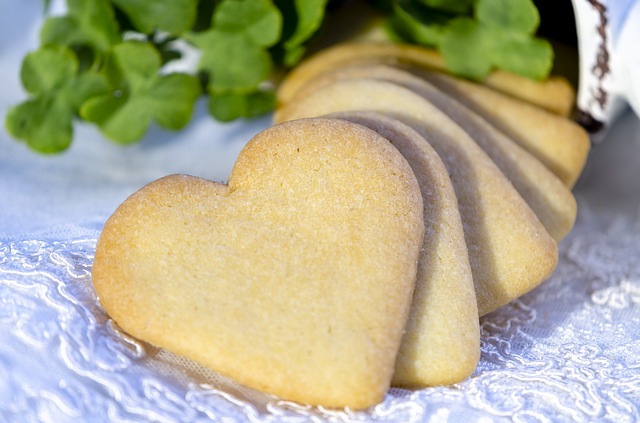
[498, 35]
[259, 20]
[88, 22]
[140, 95]
[226, 107]
[172, 16]
[309, 17]
[233, 61]
[519, 16]
[472, 49]
[234, 49]
[527, 56]
[235, 56]
[466, 48]
[453, 6]
[412, 21]
[44, 121]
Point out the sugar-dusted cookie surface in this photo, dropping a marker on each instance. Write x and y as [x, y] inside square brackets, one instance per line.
[509, 249]
[295, 278]
[441, 344]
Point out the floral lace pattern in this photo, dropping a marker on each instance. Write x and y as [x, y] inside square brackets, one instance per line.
[568, 351]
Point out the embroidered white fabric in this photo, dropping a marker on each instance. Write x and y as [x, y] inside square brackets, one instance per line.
[567, 351]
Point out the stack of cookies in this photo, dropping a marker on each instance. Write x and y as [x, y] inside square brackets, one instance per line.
[359, 239]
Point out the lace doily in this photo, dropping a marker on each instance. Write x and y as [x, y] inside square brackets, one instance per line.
[568, 351]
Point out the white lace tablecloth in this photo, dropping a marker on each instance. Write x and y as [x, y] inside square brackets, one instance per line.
[568, 351]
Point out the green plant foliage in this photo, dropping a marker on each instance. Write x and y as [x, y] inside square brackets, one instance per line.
[104, 60]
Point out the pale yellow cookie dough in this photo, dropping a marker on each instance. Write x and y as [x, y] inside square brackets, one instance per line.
[296, 278]
[560, 143]
[510, 251]
[549, 198]
[441, 344]
[554, 94]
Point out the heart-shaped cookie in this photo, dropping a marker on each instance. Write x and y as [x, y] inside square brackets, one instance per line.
[560, 143]
[554, 94]
[544, 192]
[295, 278]
[441, 343]
[510, 251]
